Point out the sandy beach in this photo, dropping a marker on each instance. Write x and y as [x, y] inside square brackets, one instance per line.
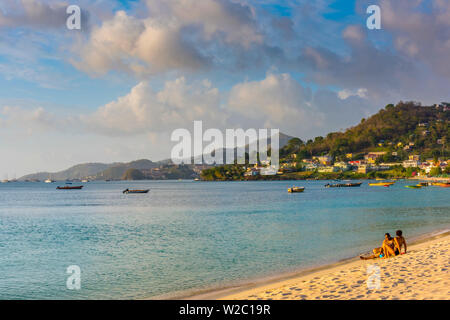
[422, 273]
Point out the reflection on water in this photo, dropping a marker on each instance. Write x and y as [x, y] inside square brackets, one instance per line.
[185, 235]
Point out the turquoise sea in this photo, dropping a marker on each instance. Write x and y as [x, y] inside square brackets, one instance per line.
[185, 236]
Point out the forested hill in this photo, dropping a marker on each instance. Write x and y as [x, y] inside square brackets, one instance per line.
[426, 129]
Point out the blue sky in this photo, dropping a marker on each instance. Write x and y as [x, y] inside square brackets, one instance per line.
[137, 70]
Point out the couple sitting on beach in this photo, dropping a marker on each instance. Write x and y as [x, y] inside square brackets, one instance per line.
[391, 247]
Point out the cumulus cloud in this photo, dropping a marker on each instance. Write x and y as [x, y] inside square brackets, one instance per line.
[346, 93]
[139, 46]
[33, 13]
[174, 35]
[277, 101]
[420, 34]
[37, 119]
[144, 110]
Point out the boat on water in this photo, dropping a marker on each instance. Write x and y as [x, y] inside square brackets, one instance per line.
[381, 184]
[414, 187]
[343, 185]
[296, 189]
[127, 191]
[441, 184]
[70, 188]
[85, 181]
[49, 181]
[424, 184]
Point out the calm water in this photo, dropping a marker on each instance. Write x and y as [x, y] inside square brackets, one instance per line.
[187, 235]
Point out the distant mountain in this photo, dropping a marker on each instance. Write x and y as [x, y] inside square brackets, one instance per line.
[76, 172]
[117, 171]
[93, 171]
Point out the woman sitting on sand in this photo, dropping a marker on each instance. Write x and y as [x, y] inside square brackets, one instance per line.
[386, 250]
[388, 246]
[399, 241]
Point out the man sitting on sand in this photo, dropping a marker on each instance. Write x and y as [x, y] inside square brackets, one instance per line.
[386, 250]
[399, 242]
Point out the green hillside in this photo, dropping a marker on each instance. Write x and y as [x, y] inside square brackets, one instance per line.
[391, 129]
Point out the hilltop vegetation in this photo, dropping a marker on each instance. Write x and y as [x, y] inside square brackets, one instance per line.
[391, 129]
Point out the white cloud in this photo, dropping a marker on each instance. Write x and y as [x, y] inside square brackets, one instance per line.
[34, 13]
[346, 93]
[423, 35]
[144, 110]
[175, 35]
[278, 101]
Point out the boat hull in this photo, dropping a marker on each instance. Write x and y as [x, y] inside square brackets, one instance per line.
[136, 191]
[381, 184]
[343, 185]
[70, 188]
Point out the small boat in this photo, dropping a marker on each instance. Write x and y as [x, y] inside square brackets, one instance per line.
[414, 187]
[49, 181]
[423, 184]
[343, 185]
[70, 188]
[85, 181]
[296, 189]
[127, 191]
[381, 184]
[445, 185]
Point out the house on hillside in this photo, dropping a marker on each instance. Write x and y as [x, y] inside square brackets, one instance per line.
[325, 160]
[328, 169]
[373, 156]
[342, 166]
[411, 163]
[364, 168]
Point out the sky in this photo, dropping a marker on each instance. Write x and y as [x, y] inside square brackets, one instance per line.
[117, 88]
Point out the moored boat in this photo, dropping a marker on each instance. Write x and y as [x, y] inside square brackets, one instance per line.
[414, 187]
[127, 191]
[424, 184]
[296, 189]
[70, 188]
[343, 185]
[381, 184]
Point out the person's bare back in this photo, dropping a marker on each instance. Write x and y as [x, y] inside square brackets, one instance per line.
[399, 242]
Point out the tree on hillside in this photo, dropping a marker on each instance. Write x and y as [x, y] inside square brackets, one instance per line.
[133, 174]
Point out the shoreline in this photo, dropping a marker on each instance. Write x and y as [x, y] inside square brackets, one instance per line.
[240, 287]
